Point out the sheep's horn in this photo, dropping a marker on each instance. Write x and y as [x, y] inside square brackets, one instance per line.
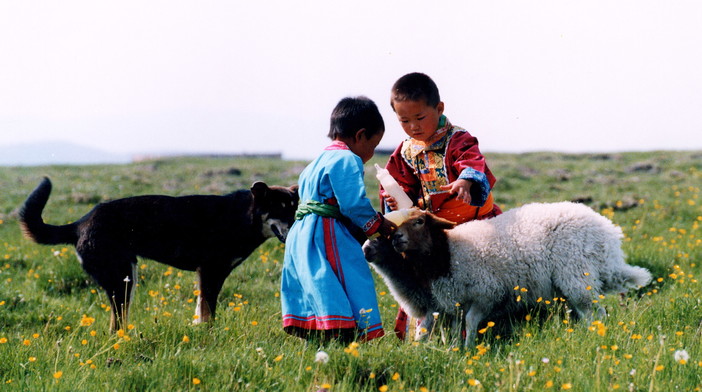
[397, 217]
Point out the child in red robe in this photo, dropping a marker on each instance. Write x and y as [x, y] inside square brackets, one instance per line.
[439, 165]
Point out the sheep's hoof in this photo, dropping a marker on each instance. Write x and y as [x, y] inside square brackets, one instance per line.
[421, 336]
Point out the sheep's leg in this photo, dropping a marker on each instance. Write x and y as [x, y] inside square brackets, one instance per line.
[580, 299]
[473, 317]
[600, 312]
[456, 329]
[586, 314]
[425, 327]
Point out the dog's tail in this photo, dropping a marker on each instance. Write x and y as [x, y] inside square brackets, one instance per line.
[33, 225]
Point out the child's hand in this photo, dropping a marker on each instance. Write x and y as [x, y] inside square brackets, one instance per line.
[461, 188]
[389, 200]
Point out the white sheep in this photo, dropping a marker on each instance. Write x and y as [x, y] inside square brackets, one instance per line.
[545, 250]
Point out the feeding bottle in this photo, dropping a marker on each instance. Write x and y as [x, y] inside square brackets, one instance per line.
[392, 188]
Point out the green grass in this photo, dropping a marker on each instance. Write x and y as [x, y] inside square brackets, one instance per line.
[53, 319]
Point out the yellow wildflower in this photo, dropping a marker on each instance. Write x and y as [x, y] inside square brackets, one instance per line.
[86, 321]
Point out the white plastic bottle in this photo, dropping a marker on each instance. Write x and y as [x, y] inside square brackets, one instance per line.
[392, 188]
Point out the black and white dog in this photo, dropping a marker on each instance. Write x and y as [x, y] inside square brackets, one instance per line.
[205, 233]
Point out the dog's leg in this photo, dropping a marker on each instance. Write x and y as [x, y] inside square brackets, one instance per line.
[210, 282]
[121, 299]
[116, 274]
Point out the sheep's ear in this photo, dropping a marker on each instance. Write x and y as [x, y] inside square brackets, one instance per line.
[441, 223]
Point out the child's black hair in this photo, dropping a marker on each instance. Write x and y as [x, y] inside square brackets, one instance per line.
[415, 87]
[352, 114]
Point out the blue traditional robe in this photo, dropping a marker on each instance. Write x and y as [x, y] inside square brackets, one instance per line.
[326, 283]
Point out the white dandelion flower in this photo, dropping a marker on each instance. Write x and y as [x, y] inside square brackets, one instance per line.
[681, 356]
[321, 357]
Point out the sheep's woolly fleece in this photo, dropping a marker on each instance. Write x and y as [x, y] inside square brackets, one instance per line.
[548, 249]
[541, 245]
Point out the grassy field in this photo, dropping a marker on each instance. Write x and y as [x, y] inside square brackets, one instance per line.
[53, 319]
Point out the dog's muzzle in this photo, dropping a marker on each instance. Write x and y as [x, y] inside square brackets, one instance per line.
[280, 232]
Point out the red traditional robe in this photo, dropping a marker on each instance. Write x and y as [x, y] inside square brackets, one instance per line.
[421, 168]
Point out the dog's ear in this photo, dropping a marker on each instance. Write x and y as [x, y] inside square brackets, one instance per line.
[296, 190]
[259, 190]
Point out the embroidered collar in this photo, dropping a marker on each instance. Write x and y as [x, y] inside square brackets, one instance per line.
[337, 145]
[436, 142]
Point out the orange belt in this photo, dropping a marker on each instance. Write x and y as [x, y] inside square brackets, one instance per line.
[457, 211]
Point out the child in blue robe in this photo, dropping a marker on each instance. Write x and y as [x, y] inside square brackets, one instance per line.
[327, 289]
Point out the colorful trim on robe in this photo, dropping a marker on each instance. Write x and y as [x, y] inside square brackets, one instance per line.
[366, 332]
[327, 286]
[333, 322]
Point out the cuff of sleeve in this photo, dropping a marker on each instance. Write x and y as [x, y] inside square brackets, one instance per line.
[373, 225]
[481, 186]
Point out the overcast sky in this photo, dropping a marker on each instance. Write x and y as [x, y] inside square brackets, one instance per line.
[263, 76]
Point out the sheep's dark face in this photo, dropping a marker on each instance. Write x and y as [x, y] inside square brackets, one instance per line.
[379, 251]
[416, 234]
[371, 250]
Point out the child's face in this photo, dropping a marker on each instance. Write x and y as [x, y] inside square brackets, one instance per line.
[418, 120]
[365, 147]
